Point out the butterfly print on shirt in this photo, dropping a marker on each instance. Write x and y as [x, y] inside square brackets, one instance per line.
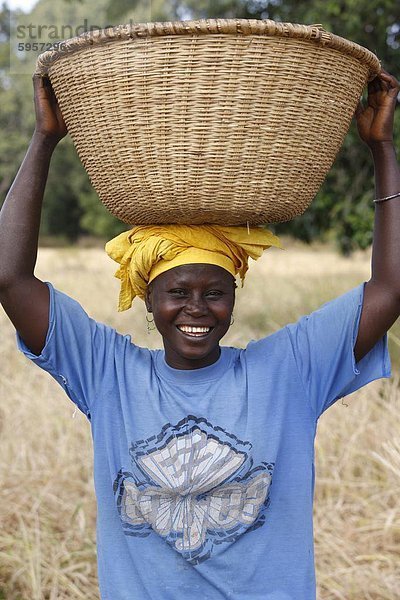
[194, 485]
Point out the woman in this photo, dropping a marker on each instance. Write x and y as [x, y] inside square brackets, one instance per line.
[197, 445]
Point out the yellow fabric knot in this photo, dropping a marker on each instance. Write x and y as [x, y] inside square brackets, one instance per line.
[149, 250]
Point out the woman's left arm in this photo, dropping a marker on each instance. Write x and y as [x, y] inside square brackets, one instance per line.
[381, 305]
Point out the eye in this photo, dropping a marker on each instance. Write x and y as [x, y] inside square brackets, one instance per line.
[214, 294]
[178, 292]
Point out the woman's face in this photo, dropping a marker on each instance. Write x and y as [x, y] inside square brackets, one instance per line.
[192, 307]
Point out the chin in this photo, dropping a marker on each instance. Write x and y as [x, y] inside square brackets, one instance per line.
[191, 358]
[198, 354]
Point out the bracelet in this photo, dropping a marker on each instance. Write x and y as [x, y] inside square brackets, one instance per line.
[377, 200]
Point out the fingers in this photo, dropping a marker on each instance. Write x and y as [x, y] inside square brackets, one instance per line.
[39, 81]
[383, 82]
[388, 77]
[390, 82]
[43, 90]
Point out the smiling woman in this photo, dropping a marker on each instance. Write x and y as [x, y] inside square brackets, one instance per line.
[192, 307]
[186, 275]
[203, 467]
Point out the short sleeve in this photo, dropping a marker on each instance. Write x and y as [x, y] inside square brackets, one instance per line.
[76, 351]
[323, 344]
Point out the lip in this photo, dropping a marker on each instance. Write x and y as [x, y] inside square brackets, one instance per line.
[194, 335]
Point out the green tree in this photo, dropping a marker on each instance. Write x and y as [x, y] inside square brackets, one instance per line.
[14, 107]
[68, 189]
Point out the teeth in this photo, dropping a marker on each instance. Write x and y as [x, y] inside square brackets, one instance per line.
[189, 329]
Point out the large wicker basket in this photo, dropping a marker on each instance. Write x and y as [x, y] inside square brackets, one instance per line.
[213, 121]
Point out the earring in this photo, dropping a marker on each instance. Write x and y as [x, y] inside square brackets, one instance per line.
[150, 323]
[232, 320]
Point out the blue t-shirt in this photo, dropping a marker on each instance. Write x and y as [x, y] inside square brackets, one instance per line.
[204, 479]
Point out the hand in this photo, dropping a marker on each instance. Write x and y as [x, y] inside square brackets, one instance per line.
[375, 119]
[49, 120]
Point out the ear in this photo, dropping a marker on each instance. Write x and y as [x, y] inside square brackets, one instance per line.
[234, 293]
[147, 299]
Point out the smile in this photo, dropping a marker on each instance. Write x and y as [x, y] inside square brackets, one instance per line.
[194, 331]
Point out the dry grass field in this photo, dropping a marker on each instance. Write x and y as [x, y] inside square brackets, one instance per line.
[47, 505]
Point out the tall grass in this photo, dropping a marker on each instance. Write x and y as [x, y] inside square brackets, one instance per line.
[47, 508]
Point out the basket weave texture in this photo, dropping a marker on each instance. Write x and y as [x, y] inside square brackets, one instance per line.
[213, 121]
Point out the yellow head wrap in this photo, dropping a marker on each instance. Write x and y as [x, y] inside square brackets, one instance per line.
[149, 250]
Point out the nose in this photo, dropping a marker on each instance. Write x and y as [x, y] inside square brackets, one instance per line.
[196, 305]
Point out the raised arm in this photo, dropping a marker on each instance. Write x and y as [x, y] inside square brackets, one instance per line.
[24, 297]
[381, 305]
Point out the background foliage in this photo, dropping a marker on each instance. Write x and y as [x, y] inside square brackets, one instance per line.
[342, 209]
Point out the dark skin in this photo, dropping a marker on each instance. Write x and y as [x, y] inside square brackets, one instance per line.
[26, 299]
[192, 296]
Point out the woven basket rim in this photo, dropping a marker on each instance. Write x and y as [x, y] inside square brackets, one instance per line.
[246, 27]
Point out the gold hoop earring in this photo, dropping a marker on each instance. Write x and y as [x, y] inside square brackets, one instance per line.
[150, 323]
[232, 320]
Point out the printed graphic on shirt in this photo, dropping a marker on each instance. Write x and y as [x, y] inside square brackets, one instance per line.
[195, 485]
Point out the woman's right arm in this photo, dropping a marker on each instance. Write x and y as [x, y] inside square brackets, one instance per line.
[24, 297]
